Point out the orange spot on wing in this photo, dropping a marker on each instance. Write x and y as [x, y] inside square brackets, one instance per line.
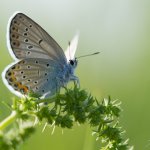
[22, 88]
[17, 85]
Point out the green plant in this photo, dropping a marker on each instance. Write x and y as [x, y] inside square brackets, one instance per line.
[62, 110]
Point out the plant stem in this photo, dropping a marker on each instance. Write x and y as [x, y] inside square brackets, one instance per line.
[51, 100]
[7, 121]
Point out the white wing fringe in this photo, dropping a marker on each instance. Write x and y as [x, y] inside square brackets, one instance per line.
[70, 52]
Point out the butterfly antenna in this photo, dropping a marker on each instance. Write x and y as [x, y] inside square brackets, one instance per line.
[88, 55]
[69, 49]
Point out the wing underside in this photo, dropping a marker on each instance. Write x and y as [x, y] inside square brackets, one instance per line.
[37, 75]
[28, 40]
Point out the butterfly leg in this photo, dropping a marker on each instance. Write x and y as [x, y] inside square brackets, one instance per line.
[59, 84]
[75, 80]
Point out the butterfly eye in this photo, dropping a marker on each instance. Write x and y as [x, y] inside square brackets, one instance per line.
[72, 62]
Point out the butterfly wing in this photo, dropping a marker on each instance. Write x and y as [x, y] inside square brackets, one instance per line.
[30, 74]
[28, 40]
[70, 52]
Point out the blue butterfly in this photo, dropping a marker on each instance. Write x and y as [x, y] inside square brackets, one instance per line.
[40, 63]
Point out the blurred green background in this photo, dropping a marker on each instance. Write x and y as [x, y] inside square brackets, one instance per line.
[120, 30]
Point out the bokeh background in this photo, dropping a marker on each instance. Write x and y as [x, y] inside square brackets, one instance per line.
[120, 30]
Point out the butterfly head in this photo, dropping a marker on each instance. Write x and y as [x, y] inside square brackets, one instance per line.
[73, 63]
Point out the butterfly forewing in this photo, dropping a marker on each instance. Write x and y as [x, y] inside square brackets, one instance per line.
[29, 40]
[71, 49]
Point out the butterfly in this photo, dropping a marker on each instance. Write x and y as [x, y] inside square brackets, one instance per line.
[40, 66]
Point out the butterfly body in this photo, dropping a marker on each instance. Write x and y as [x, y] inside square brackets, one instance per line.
[41, 65]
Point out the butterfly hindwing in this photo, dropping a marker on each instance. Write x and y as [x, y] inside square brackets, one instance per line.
[37, 75]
